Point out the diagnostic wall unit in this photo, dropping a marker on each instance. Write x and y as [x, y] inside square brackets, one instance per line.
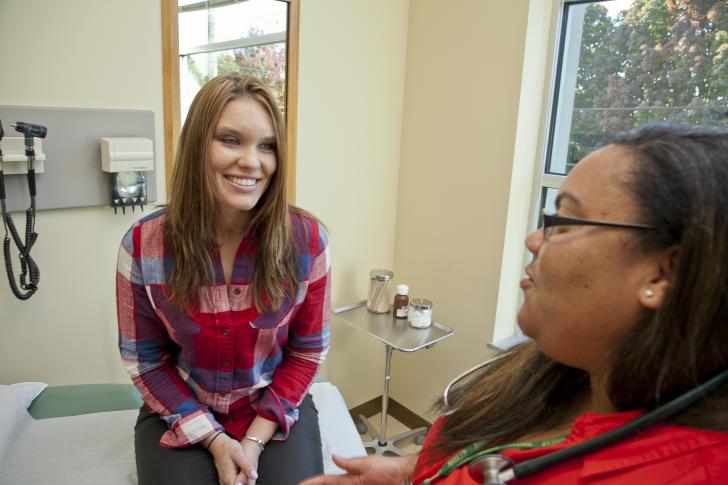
[72, 175]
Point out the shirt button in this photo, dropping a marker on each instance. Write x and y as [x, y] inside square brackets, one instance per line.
[226, 363]
[236, 291]
[226, 331]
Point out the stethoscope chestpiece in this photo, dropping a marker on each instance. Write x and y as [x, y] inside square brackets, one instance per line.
[487, 469]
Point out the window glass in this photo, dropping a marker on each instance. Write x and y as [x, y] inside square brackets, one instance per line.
[224, 36]
[224, 21]
[548, 200]
[267, 62]
[624, 63]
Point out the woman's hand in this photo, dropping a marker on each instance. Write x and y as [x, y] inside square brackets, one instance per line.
[252, 452]
[234, 465]
[369, 470]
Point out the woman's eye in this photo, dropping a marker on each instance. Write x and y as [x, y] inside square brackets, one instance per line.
[229, 140]
[268, 147]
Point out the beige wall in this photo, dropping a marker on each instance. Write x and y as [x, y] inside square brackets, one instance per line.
[407, 123]
[350, 110]
[92, 54]
[352, 65]
[464, 64]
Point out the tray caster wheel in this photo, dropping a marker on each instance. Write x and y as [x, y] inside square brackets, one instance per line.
[361, 428]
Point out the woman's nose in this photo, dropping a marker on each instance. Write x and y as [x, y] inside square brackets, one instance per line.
[534, 241]
[248, 157]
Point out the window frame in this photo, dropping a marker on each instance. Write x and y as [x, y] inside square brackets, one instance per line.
[554, 138]
[537, 126]
[171, 89]
[528, 176]
[550, 19]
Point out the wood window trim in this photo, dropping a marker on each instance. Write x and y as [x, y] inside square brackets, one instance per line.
[170, 86]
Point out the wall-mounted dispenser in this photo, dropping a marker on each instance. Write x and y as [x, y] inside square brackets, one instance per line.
[127, 160]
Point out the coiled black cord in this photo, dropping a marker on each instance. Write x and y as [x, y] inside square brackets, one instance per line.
[29, 272]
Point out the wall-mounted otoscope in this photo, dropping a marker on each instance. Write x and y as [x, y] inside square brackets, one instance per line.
[30, 130]
[30, 133]
[29, 273]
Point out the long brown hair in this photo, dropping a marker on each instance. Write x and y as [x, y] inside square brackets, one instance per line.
[679, 181]
[193, 207]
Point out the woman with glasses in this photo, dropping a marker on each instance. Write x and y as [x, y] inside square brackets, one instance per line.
[626, 305]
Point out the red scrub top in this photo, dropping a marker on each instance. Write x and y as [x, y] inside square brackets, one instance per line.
[662, 454]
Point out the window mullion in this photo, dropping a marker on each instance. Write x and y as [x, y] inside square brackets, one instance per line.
[567, 91]
[237, 43]
[551, 181]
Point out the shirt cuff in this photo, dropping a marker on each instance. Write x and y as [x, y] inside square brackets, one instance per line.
[190, 429]
[278, 410]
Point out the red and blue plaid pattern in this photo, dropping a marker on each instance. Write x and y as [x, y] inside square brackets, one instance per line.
[223, 363]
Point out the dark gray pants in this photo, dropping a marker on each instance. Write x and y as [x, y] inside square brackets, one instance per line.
[281, 463]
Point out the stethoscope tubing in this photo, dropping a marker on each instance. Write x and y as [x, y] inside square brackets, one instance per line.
[535, 465]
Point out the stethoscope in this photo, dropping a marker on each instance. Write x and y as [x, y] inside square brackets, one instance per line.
[496, 469]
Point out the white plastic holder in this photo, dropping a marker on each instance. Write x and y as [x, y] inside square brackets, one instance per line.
[14, 161]
[131, 154]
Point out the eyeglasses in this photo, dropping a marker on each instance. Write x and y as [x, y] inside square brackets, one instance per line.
[552, 220]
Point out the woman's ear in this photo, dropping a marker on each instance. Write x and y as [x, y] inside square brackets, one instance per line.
[653, 293]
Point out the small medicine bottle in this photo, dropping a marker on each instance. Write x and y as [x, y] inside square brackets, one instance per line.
[401, 302]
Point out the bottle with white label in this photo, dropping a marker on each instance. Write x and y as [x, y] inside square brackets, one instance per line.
[401, 301]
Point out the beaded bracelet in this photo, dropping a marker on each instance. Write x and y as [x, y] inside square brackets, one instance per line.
[255, 440]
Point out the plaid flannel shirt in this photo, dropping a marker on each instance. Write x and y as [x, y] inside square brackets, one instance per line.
[223, 363]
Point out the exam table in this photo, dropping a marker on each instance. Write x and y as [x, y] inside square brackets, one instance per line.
[84, 434]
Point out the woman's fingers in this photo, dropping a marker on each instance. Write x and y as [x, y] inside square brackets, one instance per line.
[226, 474]
[233, 466]
[330, 480]
[244, 479]
[355, 466]
[247, 469]
[226, 470]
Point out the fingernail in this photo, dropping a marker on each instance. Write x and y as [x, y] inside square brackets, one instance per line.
[254, 475]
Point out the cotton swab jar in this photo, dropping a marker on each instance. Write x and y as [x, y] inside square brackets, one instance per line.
[379, 282]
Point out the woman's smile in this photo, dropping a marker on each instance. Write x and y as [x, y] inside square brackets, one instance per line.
[244, 184]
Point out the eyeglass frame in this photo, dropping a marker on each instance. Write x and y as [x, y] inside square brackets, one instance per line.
[554, 220]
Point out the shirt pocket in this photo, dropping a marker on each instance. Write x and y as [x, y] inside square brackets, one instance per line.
[282, 317]
[276, 319]
[173, 318]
